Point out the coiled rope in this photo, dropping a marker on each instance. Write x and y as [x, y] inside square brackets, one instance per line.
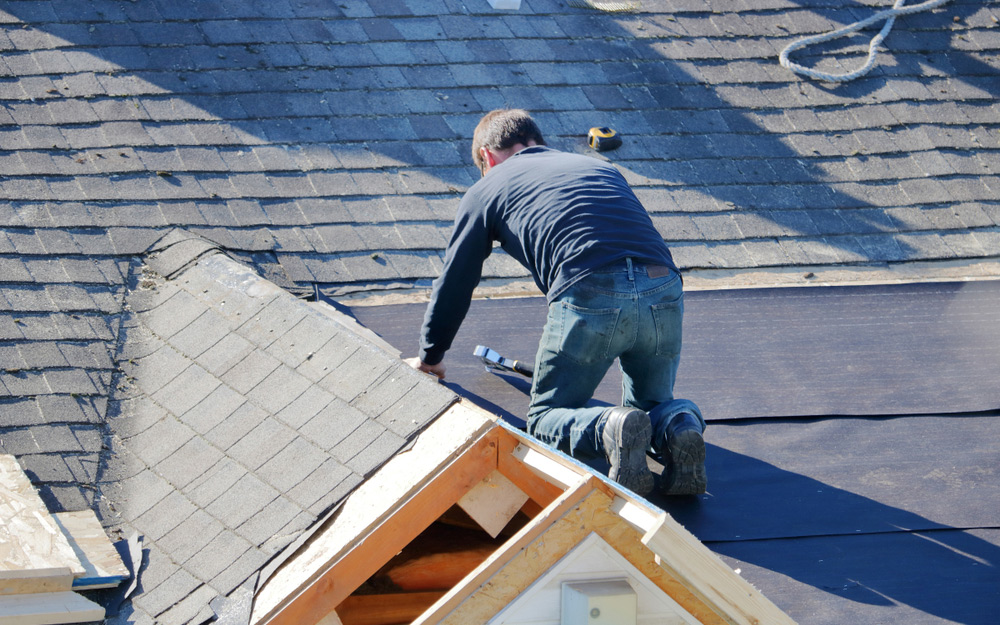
[889, 15]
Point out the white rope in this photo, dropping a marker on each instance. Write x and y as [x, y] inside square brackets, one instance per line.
[889, 15]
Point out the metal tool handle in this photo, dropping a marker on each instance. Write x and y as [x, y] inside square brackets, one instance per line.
[494, 360]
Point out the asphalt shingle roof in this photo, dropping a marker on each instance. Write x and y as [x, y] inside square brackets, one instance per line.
[321, 142]
[238, 416]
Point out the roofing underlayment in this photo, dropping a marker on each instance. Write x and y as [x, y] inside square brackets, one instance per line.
[326, 143]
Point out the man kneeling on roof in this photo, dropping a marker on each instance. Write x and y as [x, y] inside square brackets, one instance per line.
[613, 292]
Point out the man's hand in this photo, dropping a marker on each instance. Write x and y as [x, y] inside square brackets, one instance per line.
[419, 365]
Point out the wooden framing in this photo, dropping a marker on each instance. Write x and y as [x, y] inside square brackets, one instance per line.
[394, 608]
[699, 569]
[48, 608]
[564, 501]
[423, 481]
[35, 580]
[454, 598]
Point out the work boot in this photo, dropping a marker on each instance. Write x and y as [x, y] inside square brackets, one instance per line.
[685, 468]
[626, 437]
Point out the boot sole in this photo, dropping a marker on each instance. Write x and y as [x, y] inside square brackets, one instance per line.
[632, 434]
[687, 464]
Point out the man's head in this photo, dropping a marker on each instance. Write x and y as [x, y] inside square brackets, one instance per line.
[500, 130]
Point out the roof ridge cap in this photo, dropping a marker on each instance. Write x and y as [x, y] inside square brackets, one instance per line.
[177, 250]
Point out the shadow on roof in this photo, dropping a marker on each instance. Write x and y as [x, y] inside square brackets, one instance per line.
[327, 90]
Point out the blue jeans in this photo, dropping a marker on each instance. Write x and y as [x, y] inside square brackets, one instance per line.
[619, 312]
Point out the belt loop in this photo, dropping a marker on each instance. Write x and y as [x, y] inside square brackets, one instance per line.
[628, 263]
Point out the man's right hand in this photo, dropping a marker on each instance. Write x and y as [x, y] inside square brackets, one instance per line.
[419, 365]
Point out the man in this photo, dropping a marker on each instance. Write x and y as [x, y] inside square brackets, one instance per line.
[613, 292]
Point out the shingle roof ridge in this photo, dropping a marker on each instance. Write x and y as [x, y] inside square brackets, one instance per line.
[240, 416]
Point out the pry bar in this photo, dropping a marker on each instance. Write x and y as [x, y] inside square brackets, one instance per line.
[495, 361]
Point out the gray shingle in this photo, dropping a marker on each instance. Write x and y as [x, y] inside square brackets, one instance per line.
[139, 493]
[244, 499]
[239, 570]
[357, 372]
[190, 536]
[212, 410]
[225, 354]
[160, 440]
[20, 412]
[245, 375]
[267, 325]
[157, 369]
[187, 463]
[333, 424]
[214, 557]
[208, 487]
[200, 334]
[165, 516]
[330, 478]
[164, 586]
[186, 390]
[259, 445]
[192, 608]
[59, 469]
[279, 389]
[235, 426]
[261, 528]
[353, 123]
[374, 453]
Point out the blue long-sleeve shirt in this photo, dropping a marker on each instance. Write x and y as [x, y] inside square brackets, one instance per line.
[560, 215]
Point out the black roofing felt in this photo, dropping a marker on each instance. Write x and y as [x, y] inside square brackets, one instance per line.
[846, 476]
[867, 521]
[863, 519]
[782, 352]
[928, 578]
[328, 142]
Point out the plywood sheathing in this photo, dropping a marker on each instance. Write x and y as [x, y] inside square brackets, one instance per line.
[37, 561]
[102, 565]
[29, 537]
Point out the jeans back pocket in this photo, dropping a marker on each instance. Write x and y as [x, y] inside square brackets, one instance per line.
[669, 320]
[585, 334]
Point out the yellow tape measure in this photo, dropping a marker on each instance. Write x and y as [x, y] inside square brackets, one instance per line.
[603, 138]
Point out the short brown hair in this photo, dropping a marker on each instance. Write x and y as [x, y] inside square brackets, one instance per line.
[502, 128]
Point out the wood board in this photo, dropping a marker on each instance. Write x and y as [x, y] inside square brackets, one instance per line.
[103, 567]
[35, 580]
[49, 608]
[493, 502]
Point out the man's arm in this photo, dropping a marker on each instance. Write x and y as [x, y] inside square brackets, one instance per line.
[451, 296]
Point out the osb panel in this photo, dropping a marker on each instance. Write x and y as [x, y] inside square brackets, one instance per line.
[29, 537]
